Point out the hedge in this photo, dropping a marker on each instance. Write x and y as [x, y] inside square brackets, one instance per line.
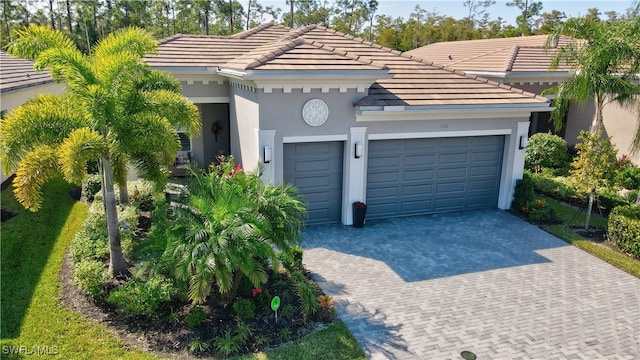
[624, 228]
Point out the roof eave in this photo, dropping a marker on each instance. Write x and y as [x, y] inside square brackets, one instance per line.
[426, 113]
[265, 75]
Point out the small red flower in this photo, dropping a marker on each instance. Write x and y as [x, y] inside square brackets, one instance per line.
[359, 204]
[256, 291]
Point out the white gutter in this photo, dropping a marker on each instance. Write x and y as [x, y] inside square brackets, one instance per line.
[400, 113]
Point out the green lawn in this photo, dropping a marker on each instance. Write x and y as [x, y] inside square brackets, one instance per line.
[573, 217]
[32, 250]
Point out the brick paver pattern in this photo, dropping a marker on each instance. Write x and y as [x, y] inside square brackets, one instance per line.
[430, 287]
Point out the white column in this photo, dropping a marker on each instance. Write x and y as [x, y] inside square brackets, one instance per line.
[355, 173]
[266, 143]
[513, 167]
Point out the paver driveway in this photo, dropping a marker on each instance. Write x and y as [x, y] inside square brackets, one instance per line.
[430, 287]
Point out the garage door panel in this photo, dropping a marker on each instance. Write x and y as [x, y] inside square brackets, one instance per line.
[460, 158]
[418, 190]
[316, 170]
[386, 161]
[384, 176]
[419, 160]
[484, 170]
[457, 172]
[421, 176]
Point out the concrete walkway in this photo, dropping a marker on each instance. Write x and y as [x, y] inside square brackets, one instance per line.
[430, 287]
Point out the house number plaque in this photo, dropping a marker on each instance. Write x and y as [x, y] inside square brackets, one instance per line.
[315, 112]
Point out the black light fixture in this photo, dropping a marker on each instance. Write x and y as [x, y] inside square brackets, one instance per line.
[267, 154]
[357, 151]
[523, 142]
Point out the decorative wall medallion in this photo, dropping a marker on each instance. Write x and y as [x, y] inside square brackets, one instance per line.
[315, 112]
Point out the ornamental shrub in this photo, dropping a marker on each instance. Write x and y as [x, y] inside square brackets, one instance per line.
[89, 275]
[196, 317]
[142, 297]
[244, 308]
[90, 186]
[624, 228]
[628, 177]
[523, 193]
[291, 258]
[546, 151]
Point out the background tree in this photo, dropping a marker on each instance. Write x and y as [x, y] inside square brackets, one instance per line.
[114, 110]
[525, 21]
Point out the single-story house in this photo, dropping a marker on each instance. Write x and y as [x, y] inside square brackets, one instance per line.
[347, 120]
[523, 62]
[19, 82]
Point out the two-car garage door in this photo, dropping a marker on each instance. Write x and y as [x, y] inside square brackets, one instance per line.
[404, 176]
[422, 176]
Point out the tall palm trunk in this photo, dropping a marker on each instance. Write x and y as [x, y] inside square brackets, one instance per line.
[123, 194]
[598, 119]
[117, 266]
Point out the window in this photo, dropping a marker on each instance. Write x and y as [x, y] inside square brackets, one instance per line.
[185, 141]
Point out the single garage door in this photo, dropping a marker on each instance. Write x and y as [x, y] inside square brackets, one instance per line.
[422, 176]
[316, 170]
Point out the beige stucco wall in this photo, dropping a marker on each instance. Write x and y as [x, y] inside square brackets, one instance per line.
[621, 124]
[245, 122]
[13, 99]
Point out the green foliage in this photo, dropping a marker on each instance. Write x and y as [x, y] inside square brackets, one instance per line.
[291, 258]
[594, 166]
[228, 344]
[90, 186]
[196, 317]
[523, 194]
[557, 187]
[144, 297]
[198, 346]
[244, 308]
[244, 331]
[628, 177]
[285, 333]
[90, 275]
[230, 222]
[624, 228]
[537, 211]
[546, 151]
[307, 293]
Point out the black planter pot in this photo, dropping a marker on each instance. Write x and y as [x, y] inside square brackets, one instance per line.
[359, 213]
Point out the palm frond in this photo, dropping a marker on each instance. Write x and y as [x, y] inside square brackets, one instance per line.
[44, 119]
[68, 66]
[117, 72]
[180, 111]
[38, 166]
[76, 150]
[129, 40]
[35, 39]
[158, 80]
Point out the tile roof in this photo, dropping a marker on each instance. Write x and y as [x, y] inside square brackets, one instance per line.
[413, 82]
[525, 53]
[17, 73]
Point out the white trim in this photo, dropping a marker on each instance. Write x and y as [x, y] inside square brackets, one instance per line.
[437, 134]
[396, 113]
[317, 138]
[354, 174]
[209, 99]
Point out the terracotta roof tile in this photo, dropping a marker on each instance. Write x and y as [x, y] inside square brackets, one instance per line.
[414, 81]
[525, 53]
[17, 73]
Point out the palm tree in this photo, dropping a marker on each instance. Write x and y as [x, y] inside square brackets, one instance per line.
[227, 227]
[606, 59]
[114, 109]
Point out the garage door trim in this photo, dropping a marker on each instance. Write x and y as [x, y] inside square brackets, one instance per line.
[424, 135]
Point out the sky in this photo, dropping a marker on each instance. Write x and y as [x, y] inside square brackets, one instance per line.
[456, 9]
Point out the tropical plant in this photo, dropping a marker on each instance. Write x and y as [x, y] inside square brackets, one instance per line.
[606, 59]
[115, 110]
[546, 151]
[594, 166]
[228, 225]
